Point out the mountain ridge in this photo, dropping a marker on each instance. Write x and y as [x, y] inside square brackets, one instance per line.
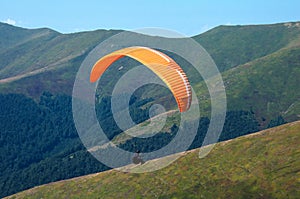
[13, 35]
[251, 41]
[202, 38]
[53, 67]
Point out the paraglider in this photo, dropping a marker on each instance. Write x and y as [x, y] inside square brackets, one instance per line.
[137, 159]
[159, 63]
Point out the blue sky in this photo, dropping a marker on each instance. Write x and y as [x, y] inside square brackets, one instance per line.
[186, 17]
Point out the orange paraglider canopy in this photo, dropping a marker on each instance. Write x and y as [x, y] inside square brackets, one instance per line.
[161, 64]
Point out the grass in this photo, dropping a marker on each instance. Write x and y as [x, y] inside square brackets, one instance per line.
[261, 165]
[149, 127]
[271, 82]
[268, 86]
[231, 46]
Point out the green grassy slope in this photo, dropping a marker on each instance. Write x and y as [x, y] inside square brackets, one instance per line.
[268, 86]
[35, 61]
[56, 80]
[261, 165]
[11, 36]
[49, 51]
[231, 46]
[272, 82]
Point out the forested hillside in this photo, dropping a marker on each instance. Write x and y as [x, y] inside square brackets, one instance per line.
[39, 142]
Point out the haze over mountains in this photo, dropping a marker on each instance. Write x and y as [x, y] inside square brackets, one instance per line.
[260, 67]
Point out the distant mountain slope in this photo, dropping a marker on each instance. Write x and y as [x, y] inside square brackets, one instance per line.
[261, 165]
[259, 63]
[30, 53]
[11, 36]
[231, 46]
[42, 49]
[267, 86]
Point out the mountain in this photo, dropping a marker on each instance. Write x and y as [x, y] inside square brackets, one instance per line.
[268, 86]
[262, 165]
[260, 67]
[231, 46]
[38, 60]
[41, 60]
[11, 36]
[271, 82]
[38, 140]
